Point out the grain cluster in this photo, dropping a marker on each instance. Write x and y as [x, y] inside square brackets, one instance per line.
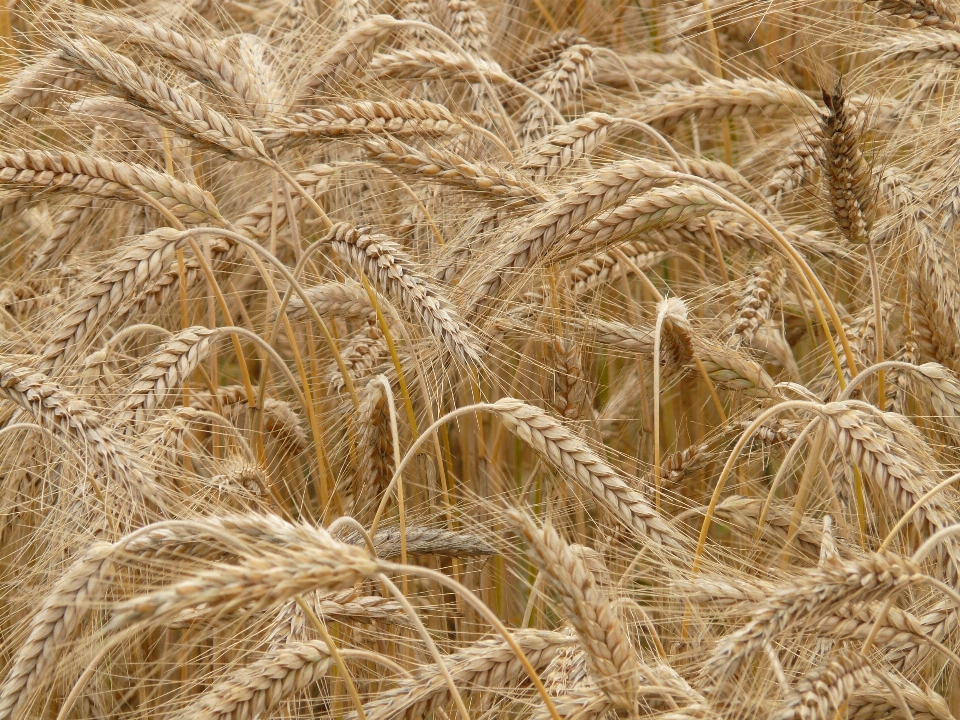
[480, 360]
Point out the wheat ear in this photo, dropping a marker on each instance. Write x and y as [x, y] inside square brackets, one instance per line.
[613, 660]
[361, 355]
[557, 84]
[937, 294]
[71, 224]
[575, 204]
[944, 390]
[440, 165]
[182, 111]
[344, 606]
[538, 57]
[99, 177]
[112, 290]
[926, 13]
[63, 412]
[164, 372]
[570, 395]
[892, 454]
[375, 447]
[905, 637]
[62, 610]
[822, 692]
[281, 421]
[366, 608]
[487, 663]
[654, 211]
[876, 701]
[567, 452]
[391, 271]
[396, 117]
[807, 598]
[37, 86]
[429, 541]
[199, 58]
[346, 300]
[317, 562]
[717, 99]
[425, 64]
[347, 57]
[604, 267]
[255, 690]
[256, 220]
[467, 24]
[847, 175]
[755, 305]
[566, 144]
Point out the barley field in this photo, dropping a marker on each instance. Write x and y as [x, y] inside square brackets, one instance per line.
[479, 359]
